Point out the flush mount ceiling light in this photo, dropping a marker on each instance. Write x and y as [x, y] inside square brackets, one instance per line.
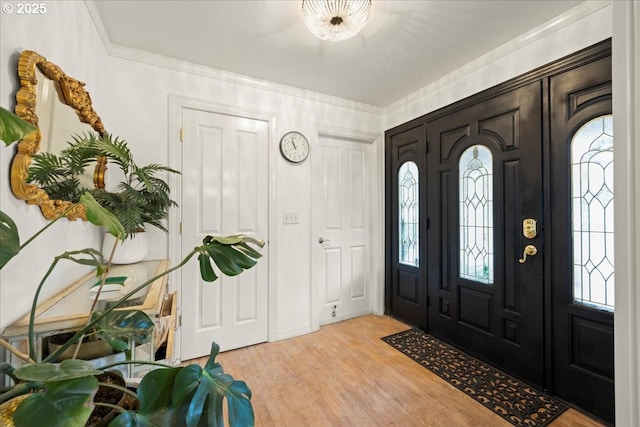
[335, 20]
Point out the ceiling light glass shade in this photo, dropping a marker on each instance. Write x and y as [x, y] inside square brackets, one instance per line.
[335, 20]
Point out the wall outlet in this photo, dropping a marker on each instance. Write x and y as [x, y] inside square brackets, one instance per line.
[290, 218]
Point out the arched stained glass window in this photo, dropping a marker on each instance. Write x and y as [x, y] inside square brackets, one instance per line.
[592, 213]
[408, 215]
[476, 214]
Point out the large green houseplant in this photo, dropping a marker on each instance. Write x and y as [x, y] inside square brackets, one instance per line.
[63, 393]
[140, 198]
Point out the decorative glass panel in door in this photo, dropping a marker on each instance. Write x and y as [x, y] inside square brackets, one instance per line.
[408, 215]
[476, 214]
[406, 252]
[592, 209]
[580, 235]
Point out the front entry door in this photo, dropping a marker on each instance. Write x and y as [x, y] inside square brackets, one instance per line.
[224, 191]
[518, 224]
[484, 182]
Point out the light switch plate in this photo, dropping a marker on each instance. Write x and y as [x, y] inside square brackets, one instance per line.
[290, 218]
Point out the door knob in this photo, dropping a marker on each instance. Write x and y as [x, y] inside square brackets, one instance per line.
[322, 240]
[529, 250]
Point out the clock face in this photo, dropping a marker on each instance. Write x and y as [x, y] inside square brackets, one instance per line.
[294, 147]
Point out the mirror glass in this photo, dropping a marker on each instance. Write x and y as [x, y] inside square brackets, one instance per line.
[61, 108]
[58, 121]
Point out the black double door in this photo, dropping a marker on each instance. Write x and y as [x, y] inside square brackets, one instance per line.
[497, 236]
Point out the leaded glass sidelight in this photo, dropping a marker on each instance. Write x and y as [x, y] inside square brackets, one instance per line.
[592, 212]
[408, 214]
[476, 214]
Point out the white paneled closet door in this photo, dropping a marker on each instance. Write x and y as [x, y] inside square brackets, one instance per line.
[224, 191]
[342, 215]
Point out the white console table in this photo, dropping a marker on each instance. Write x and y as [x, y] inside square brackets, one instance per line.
[69, 309]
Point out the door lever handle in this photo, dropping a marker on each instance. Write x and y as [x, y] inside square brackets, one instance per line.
[529, 250]
[322, 240]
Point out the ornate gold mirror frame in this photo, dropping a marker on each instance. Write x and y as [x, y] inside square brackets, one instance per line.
[72, 93]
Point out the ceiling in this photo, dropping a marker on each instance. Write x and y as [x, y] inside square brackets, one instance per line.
[404, 46]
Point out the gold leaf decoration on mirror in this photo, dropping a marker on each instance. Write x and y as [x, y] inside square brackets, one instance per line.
[60, 107]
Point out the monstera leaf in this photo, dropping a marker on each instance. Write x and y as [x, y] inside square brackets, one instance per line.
[190, 396]
[232, 255]
[12, 127]
[66, 395]
[9, 239]
[121, 326]
[49, 372]
[61, 404]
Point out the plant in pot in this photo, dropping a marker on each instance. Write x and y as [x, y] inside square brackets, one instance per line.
[141, 198]
[63, 393]
[63, 176]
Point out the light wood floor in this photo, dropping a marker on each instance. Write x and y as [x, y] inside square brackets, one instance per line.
[344, 375]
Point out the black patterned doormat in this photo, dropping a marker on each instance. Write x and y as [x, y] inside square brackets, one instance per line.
[508, 397]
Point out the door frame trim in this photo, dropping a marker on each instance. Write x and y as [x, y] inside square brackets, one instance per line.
[177, 104]
[626, 108]
[376, 204]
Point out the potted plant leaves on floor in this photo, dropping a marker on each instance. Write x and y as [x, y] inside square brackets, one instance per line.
[62, 393]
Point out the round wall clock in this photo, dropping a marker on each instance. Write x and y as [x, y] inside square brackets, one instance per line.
[294, 147]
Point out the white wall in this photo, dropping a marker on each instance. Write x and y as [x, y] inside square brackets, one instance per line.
[580, 27]
[66, 36]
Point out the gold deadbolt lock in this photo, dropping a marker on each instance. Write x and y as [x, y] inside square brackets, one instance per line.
[529, 228]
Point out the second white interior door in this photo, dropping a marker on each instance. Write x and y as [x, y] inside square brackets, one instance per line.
[341, 217]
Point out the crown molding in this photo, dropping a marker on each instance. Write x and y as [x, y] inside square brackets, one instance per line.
[135, 55]
[565, 19]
